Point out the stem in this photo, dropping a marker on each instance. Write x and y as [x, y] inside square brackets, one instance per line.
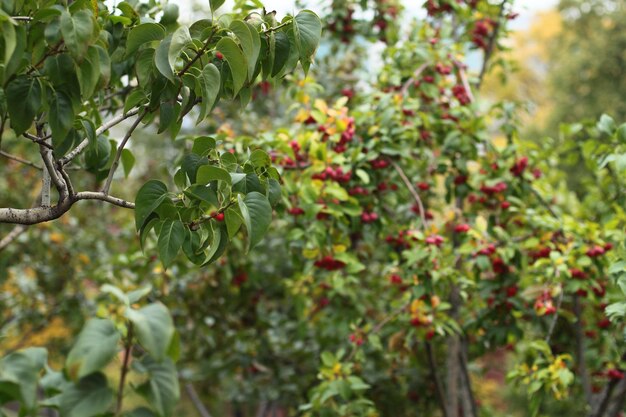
[198, 55]
[83, 145]
[432, 365]
[282, 25]
[120, 149]
[195, 400]
[580, 350]
[418, 71]
[491, 46]
[466, 376]
[413, 192]
[20, 160]
[124, 371]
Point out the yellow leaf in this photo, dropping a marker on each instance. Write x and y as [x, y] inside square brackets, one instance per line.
[310, 253]
[321, 105]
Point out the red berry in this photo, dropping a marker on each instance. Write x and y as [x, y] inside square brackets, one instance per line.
[219, 217]
[219, 55]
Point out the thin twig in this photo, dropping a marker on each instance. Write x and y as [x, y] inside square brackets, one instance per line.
[195, 400]
[556, 314]
[580, 350]
[20, 160]
[22, 18]
[128, 348]
[198, 55]
[81, 146]
[416, 74]
[413, 192]
[13, 234]
[376, 329]
[282, 25]
[544, 202]
[491, 45]
[120, 149]
[38, 140]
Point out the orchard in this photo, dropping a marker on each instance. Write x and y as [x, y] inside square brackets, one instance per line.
[326, 213]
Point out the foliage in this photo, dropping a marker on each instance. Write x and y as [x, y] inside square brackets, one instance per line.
[419, 241]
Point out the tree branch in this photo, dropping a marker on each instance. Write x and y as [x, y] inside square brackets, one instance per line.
[195, 400]
[118, 155]
[418, 71]
[20, 160]
[44, 214]
[13, 234]
[81, 146]
[128, 349]
[491, 45]
[580, 350]
[432, 365]
[413, 192]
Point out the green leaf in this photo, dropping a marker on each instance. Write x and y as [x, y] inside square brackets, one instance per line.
[154, 328]
[257, 216]
[161, 389]
[180, 39]
[260, 159]
[210, 84]
[203, 145]
[208, 173]
[250, 43]
[171, 238]
[88, 72]
[236, 62]
[91, 396]
[149, 197]
[95, 347]
[24, 94]
[19, 372]
[281, 52]
[161, 59]
[140, 34]
[77, 31]
[61, 117]
[128, 161]
[307, 29]
[606, 124]
[10, 39]
[216, 4]
[233, 221]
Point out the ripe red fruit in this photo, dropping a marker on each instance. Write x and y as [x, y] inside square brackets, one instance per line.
[615, 374]
[424, 186]
[577, 273]
[219, 55]
[608, 246]
[240, 279]
[219, 217]
[462, 228]
[296, 211]
[435, 240]
[347, 92]
[499, 266]
[595, 251]
[520, 165]
[511, 291]
[505, 205]
[395, 279]
[604, 323]
[357, 340]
